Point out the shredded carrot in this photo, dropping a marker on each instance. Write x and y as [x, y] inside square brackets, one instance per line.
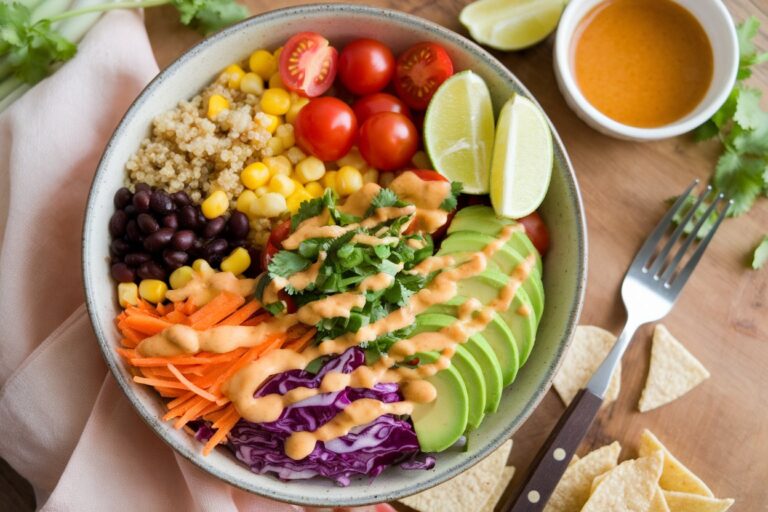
[187, 396]
[127, 353]
[223, 426]
[187, 360]
[242, 314]
[191, 413]
[189, 307]
[190, 385]
[159, 382]
[223, 305]
[257, 319]
[175, 317]
[299, 343]
[147, 324]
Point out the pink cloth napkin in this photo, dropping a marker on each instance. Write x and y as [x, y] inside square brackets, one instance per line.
[64, 423]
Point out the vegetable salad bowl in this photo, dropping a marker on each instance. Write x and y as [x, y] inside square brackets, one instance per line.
[565, 264]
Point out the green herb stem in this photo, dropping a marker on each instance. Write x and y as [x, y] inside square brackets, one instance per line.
[108, 7]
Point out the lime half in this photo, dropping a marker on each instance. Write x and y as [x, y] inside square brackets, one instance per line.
[511, 24]
[522, 159]
[458, 131]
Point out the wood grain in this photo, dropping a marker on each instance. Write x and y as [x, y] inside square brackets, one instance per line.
[720, 429]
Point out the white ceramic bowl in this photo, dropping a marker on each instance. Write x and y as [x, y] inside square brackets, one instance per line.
[719, 27]
[565, 266]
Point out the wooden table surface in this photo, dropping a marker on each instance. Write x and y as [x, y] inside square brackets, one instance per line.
[720, 429]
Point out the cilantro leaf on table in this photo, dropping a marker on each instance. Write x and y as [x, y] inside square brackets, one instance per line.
[748, 53]
[209, 16]
[761, 254]
[450, 202]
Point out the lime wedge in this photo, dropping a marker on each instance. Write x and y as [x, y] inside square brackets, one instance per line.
[522, 159]
[511, 24]
[458, 131]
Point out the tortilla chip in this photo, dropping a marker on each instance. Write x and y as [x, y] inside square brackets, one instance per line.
[506, 476]
[630, 486]
[466, 491]
[573, 489]
[589, 347]
[686, 502]
[673, 371]
[675, 476]
[659, 503]
[596, 482]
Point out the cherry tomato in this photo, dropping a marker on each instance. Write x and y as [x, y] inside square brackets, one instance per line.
[366, 106]
[366, 66]
[290, 305]
[275, 243]
[267, 253]
[537, 231]
[326, 128]
[387, 140]
[428, 175]
[308, 64]
[420, 71]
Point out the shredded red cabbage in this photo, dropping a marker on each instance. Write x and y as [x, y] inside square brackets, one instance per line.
[366, 450]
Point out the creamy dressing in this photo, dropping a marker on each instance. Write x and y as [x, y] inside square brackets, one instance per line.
[204, 286]
[427, 196]
[376, 282]
[364, 239]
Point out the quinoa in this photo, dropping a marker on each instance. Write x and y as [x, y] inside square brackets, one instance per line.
[187, 151]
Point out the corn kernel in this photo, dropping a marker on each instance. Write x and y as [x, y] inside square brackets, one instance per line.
[330, 179]
[277, 53]
[202, 267]
[349, 180]
[215, 205]
[274, 146]
[234, 75]
[314, 189]
[310, 169]
[152, 290]
[262, 63]
[286, 134]
[245, 200]
[181, 276]
[237, 262]
[251, 83]
[278, 165]
[370, 175]
[275, 101]
[282, 184]
[295, 199]
[216, 104]
[127, 294]
[352, 158]
[275, 82]
[296, 106]
[420, 160]
[255, 175]
[270, 204]
[261, 191]
[273, 123]
[295, 155]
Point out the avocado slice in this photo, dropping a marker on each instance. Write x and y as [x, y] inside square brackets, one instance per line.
[497, 335]
[468, 367]
[482, 219]
[440, 423]
[506, 260]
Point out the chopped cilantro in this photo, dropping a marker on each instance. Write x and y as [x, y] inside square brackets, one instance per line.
[450, 202]
[286, 263]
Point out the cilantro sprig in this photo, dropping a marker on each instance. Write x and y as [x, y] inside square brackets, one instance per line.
[31, 48]
[741, 126]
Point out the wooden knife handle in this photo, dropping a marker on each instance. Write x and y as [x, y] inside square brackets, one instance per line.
[551, 461]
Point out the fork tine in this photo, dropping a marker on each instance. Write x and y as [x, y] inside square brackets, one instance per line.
[658, 263]
[646, 251]
[685, 273]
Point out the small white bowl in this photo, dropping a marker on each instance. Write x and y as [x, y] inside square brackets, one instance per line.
[718, 25]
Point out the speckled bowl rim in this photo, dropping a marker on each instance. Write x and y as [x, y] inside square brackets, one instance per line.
[573, 193]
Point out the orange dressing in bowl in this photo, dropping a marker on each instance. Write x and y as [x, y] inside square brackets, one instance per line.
[644, 63]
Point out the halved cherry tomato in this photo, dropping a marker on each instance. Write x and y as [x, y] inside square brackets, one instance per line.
[366, 106]
[387, 140]
[428, 175]
[275, 242]
[366, 66]
[537, 231]
[420, 71]
[308, 64]
[326, 128]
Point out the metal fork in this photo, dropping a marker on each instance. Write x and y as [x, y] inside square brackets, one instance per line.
[650, 288]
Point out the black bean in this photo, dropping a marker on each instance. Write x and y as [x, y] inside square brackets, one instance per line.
[174, 259]
[158, 240]
[183, 240]
[160, 202]
[142, 187]
[117, 224]
[255, 255]
[147, 223]
[181, 199]
[213, 227]
[237, 243]
[171, 221]
[123, 198]
[132, 231]
[214, 247]
[135, 259]
[188, 217]
[122, 273]
[119, 247]
[141, 201]
[130, 210]
[151, 270]
[237, 226]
